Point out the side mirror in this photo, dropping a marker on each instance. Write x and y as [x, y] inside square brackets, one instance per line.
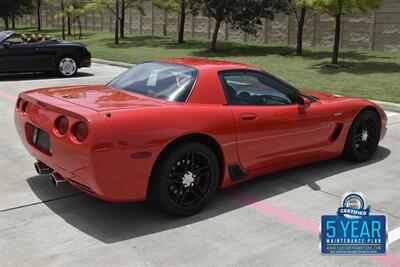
[303, 103]
[6, 44]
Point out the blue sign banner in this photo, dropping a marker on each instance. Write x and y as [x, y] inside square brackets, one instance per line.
[363, 235]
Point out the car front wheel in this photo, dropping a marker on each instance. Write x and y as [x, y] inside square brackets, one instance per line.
[185, 179]
[363, 137]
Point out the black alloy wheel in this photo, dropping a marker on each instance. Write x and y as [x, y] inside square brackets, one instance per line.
[363, 138]
[185, 180]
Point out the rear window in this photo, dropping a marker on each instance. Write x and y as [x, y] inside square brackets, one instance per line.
[159, 80]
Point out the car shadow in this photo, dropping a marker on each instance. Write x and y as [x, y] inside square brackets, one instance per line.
[115, 222]
[14, 77]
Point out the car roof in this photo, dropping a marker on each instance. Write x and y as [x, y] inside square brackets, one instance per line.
[204, 63]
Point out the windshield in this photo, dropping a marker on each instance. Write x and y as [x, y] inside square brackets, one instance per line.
[159, 80]
[5, 34]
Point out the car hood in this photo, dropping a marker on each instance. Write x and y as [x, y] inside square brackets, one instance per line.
[101, 98]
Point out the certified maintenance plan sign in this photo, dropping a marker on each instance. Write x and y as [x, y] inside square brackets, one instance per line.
[353, 230]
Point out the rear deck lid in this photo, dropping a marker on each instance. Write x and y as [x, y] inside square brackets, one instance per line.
[101, 98]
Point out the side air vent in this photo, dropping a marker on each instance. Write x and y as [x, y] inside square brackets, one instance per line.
[336, 132]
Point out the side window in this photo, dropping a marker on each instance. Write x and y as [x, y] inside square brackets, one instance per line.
[256, 89]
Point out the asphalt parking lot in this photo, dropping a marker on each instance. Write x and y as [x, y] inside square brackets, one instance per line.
[272, 220]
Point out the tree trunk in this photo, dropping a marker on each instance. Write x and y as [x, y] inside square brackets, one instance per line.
[182, 23]
[116, 40]
[300, 28]
[213, 46]
[122, 20]
[12, 22]
[63, 20]
[336, 43]
[5, 18]
[39, 26]
[78, 20]
[69, 24]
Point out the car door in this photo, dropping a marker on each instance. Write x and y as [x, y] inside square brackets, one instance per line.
[17, 57]
[270, 128]
[45, 55]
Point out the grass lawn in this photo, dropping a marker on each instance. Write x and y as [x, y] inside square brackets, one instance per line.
[368, 74]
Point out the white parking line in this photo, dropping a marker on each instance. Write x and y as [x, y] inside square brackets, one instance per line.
[394, 235]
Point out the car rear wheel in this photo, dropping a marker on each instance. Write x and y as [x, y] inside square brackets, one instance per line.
[67, 66]
[363, 138]
[185, 179]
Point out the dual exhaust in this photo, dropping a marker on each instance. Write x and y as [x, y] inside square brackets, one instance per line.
[55, 178]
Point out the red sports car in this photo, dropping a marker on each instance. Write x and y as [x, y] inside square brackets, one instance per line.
[176, 130]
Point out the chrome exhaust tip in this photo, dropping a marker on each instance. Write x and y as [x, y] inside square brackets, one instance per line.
[56, 179]
[42, 168]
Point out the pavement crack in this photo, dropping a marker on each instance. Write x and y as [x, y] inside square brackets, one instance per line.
[42, 202]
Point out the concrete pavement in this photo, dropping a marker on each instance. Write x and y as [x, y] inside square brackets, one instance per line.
[268, 221]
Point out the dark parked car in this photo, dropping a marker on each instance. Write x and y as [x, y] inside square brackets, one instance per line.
[18, 55]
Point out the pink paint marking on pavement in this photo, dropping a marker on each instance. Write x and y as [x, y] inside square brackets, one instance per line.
[306, 225]
[276, 212]
[9, 97]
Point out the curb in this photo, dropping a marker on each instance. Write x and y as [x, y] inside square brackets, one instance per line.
[385, 105]
[388, 106]
[113, 63]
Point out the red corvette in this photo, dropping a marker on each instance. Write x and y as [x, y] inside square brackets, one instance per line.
[177, 130]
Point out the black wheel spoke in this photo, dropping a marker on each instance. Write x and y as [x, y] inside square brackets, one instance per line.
[187, 158]
[363, 147]
[369, 143]
[174, 181]
[363, 125]
[180, 174]
[181, 198]
[370, 127]
[192, 161]
[202, 170]
[196, 191]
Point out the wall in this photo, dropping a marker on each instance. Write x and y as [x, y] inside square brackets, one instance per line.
[379, 30]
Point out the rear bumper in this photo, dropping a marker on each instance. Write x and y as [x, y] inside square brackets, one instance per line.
[96, 166]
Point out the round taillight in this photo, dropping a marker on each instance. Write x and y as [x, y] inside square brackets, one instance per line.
[24, 106]
[81, 131]
[62, 125]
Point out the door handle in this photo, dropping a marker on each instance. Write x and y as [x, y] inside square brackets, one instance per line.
[248, 116]
[37, 49]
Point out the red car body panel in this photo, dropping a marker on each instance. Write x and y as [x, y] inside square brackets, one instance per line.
[127, 131]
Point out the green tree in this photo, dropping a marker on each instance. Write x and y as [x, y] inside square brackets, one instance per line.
[184, 7]
[115, 6]
[299, 9]
[337, 9]
[246, 15]
[75, 9]
[11, 9]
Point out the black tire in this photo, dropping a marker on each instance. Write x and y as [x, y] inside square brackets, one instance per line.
[67, 66]
[363, 137]
[180, 194]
